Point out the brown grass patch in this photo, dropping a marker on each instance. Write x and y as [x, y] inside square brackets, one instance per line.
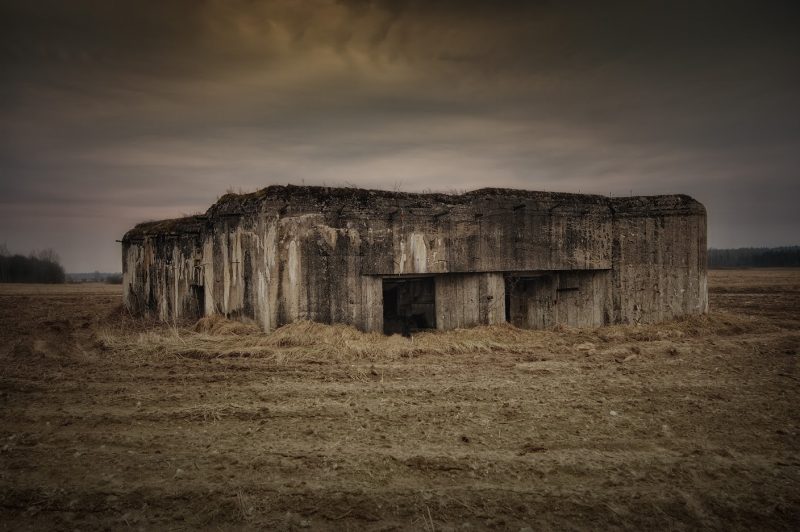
[220, 326]
[687, 424]
[218, 337]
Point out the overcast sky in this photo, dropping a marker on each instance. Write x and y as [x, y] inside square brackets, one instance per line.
[115, 112]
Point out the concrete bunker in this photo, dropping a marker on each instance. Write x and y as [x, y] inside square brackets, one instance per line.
[401, 262]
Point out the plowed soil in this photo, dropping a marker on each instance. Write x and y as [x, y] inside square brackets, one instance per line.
[110, 422]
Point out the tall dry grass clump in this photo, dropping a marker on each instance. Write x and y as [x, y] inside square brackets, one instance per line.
[218, 337]
[220, 326]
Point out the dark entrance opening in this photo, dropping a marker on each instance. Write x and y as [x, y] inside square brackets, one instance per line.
[409, 305]
[511, 283]
[199, 293]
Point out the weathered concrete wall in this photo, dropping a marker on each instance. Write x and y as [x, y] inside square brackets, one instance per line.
[571, 298]
[659, 259]
[160, 277]
[469, 299]
[503, 233]
[289, 253]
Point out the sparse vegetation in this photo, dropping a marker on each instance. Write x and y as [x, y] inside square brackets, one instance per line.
[304, 341]
[111, 421]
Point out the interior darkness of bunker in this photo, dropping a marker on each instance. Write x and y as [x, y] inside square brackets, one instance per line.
[409, 305]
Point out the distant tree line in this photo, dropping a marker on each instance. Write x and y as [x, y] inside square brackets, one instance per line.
[754, 257]
[38, 267]
[95, 277]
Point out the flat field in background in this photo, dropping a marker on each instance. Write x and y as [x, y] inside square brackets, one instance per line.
[111, 422]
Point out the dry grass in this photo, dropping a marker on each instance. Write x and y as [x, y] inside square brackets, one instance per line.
[217, 337]
[219, 326]
[110, 422]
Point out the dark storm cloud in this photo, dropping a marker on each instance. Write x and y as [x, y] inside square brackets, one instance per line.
[114, 112]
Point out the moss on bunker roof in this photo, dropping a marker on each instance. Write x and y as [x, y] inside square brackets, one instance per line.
[187, 224]
[350, 196]
[321, 199]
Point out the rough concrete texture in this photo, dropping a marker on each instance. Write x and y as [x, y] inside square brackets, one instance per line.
[535, 259]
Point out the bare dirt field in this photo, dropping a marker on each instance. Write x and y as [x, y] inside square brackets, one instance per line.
[113, 423]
